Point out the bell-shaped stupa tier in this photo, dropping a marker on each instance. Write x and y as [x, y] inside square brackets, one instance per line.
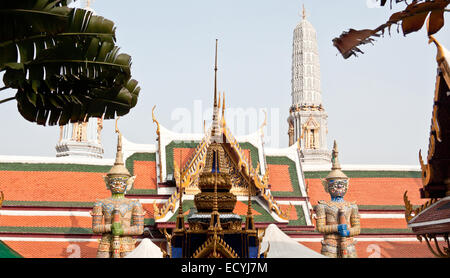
[215, 196]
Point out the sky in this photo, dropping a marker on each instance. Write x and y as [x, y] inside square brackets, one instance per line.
[379, 104]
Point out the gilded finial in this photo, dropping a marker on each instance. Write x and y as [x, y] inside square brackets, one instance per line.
[440, 48]
[119, 140]
[155, 121]
[265, 120]
[116, 126]
[223, 105]
[304, 12]
[215, 77]
[334, 157]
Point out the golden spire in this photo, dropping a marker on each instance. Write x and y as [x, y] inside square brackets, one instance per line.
[215, 78]
[249, 222]
[215, 128]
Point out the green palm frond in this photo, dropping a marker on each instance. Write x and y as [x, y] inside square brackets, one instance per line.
[69, 71]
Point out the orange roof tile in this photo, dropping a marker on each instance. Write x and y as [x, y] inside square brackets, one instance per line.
[241, 209]
[185, 153]
[292, 211]
[279, 178]
[149, 209]
[47, 249]
[145, 172]
[383, 223]
[372, 191]
[53, 186]
[247, 154]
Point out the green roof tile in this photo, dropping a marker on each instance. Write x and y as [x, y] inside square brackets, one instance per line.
[8, 252]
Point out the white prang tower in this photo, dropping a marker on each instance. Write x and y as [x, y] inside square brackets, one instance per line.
[81, 139]
[307, 117]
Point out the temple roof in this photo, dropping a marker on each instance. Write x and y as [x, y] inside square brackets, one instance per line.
[435, 169]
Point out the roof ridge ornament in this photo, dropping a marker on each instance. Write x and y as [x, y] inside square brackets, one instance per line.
[440, 48]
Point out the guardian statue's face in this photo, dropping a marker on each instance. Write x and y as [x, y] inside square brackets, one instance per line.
[117, 185]
[337, 187]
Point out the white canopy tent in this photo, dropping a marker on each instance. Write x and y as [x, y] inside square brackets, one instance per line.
[146, 249]
[282, 246]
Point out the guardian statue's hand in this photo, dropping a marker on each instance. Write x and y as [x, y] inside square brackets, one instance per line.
[342, 227]
[343, 230]
[116, 229]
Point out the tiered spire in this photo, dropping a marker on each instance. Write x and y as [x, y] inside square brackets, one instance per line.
[215, 133]
[307, 119]
[336, 172]
[119, 168]
[214, 224]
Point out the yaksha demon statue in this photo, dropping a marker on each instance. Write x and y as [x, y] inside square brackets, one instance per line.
[122, 218]
[337, 219]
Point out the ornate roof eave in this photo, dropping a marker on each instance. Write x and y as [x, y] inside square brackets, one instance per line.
[435, 177]
[192, 169]
[197, 161]
[215, 247]
[442, 58]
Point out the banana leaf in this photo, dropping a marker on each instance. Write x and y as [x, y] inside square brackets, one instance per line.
[63, 62]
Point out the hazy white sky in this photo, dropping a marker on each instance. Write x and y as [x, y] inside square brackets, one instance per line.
[379, 104]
